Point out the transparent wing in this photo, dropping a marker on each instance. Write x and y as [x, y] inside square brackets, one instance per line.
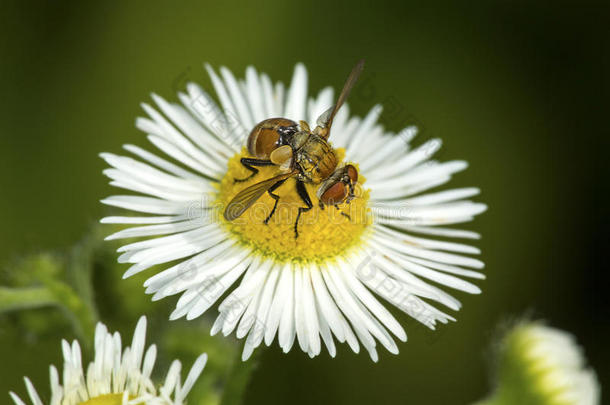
[326, 119]
[249, 195]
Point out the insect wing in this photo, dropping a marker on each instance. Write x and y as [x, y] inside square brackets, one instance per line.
[326, 119]
[349, 83]
[248, 196]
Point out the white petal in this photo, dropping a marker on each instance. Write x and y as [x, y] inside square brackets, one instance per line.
[441, 257]
[254, 93]
[277, 306]
[310, 312]
[145, 204]
[241, 106]
[32, 392]
[373, 305]
[287, 329]
[299, 310]
[16, 399]
[193, 375]
[359, 327]
[363, 131]
[410, 160]
[322, 103]
[327, 306]
[205, 109]
[140, 220]
[297, 95]
[438, 231]
[391, 147]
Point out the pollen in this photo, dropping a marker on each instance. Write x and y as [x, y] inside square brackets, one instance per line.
[323, 233]
[106, 399]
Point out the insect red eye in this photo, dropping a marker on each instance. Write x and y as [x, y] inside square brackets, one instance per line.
[334, 194]
[352, 173]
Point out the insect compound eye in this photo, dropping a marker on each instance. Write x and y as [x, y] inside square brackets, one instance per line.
[335, 194]
[352, 173]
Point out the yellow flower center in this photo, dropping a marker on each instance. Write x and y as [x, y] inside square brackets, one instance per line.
[106, 399]
[323, 233]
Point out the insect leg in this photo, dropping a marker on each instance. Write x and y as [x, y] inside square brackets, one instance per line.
[305, 197]
[248, 163]
[275, 197]
[351, 195]
[343, 213]
[346, 215]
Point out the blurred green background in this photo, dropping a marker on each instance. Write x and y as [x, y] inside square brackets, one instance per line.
[514, 88]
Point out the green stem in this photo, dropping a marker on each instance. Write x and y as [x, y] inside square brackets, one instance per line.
[14, 299]
[82, 316]
[238, 378]
[80, 270]
[53, 293]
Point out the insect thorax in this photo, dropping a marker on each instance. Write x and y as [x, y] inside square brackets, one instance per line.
[316, 159]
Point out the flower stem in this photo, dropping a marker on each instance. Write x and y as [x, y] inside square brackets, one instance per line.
[14, 299]
[53, 293]
[82, 316]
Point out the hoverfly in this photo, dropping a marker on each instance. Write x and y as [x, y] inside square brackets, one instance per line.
[300, 153]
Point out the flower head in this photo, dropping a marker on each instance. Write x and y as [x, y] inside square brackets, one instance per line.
[544, 365]
[320, 286]
[116, 376]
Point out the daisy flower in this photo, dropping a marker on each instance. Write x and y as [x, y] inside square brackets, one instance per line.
[116, 376]
[543, 365]
[323, 286]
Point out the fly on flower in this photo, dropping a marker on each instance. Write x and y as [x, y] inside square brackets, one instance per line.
[300, 153]
[326, 285]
